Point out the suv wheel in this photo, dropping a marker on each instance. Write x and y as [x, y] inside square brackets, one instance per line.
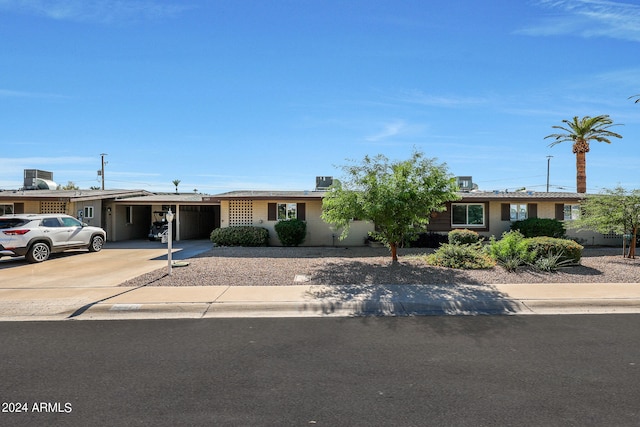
[38, 252]
[96, 244]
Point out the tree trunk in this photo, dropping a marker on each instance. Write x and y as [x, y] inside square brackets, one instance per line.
[394, 251]
[581, 172]
[632, 245]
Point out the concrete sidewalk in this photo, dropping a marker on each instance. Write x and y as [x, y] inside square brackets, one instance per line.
[48, 291]
[315, 301]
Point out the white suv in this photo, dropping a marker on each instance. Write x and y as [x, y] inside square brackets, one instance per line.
[36, 236]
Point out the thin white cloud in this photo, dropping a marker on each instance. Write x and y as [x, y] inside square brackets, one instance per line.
[422, 98]
[389, 130]
[7, 93]
[102, 11]
[589, 18]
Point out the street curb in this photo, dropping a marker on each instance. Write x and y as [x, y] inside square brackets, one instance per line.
[582, 306]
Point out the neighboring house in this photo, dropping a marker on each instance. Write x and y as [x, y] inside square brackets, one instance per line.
[90, 206]
[266, 208]
[492, 213]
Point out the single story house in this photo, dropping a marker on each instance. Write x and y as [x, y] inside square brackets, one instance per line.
[266, 208]
[90, 206]
[492, 213]
[127, 214]
[488, 213]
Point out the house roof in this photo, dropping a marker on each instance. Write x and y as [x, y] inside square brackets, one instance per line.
[187, 198]
[271, 195]
[521, 195]
[69, 195]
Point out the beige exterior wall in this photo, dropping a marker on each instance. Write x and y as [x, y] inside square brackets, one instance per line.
[319, 233]
[547, 210]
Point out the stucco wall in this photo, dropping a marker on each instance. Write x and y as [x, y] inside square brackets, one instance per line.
[547, 210]
[319, 233]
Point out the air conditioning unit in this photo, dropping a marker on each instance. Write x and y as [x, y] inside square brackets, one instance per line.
[323, 182]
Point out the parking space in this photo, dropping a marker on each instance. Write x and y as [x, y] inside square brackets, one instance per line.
[116, 263]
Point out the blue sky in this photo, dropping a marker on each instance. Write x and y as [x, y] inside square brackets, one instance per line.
[266, 95]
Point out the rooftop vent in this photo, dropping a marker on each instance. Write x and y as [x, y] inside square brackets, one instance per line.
[323, 182]
[466, 183]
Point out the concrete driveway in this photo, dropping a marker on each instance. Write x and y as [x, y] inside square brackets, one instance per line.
[73, 279]
[116, 263]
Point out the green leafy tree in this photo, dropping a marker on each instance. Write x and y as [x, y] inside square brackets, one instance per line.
[398, 197]
[70, 186]
[176, 182]
[580, 132]
[615, 210]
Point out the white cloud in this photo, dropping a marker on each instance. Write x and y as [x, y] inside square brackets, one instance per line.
[6, 93]
[419, 97]
[103, 11]
[389, 130]
[589, 18]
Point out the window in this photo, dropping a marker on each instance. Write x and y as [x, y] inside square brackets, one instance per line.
[6, 209]
[287, 211]
[51, 222]
[71, 222]
[467, 214]
[518, 212]
[571, 212]
[284, 211]
[88, 211]
[129, 214]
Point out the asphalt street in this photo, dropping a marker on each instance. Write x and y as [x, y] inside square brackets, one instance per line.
[459, 371]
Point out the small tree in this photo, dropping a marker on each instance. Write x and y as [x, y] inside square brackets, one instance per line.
[70, 186]
[615, 211]
[176, 182]
[398, 197]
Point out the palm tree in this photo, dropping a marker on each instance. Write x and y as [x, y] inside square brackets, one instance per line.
[637, 97]
[581, 132]
[176, 182]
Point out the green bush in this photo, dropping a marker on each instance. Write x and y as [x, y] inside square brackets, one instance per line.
[511, 251]
[240, 236]
[545, 246]
[552, 262]
[535, 227]
[463, 237]
[467, 256]
[291, 232]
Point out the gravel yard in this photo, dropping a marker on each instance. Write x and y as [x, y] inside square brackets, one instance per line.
[280, 266]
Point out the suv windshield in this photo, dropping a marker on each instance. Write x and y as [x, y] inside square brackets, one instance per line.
[12, 222]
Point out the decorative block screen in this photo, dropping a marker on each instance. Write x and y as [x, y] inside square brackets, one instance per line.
[240, 212]
[53, 207]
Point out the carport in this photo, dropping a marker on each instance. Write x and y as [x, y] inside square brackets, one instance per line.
[196, 215]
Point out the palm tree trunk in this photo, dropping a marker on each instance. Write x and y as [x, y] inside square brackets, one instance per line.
[581, 172]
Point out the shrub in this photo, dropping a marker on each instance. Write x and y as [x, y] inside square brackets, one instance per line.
[511, 251]
[240, 236]
[429, 240]
[535, 227]
[568, 249]
[467, 256]
[463, 237]
[291, 232]
[552, 262]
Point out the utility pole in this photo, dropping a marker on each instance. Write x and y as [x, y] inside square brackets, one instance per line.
[548, 165]
[102, 169]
